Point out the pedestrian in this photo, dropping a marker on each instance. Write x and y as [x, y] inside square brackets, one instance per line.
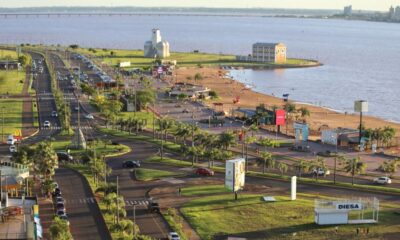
[179, 191]
[358, 231]
[367, 230]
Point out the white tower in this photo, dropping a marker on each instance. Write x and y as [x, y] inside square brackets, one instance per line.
[156, 37]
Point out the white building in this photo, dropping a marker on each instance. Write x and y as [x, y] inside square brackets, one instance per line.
[156, 48]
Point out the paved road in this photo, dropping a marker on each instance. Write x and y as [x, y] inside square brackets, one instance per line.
[133, 192]
[83, 212]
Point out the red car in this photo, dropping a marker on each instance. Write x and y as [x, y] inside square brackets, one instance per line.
[204, 172]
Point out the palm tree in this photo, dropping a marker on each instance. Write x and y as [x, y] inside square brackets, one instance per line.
[283, 167]
[45, 159]
[302, 167]
[248, 141]
[304, 112]
[227, 139]
[145, 97]
[198, 77]
[290, 108]
[253, 129]
[354, 166]
[338, 160]
[266, 160]
[59, 230]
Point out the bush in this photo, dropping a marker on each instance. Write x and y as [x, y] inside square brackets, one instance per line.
[213, 94]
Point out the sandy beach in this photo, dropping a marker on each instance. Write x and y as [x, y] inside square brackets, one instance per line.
[228, 89]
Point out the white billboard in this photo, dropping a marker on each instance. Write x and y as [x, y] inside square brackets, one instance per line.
[235, 174]
[124, 64]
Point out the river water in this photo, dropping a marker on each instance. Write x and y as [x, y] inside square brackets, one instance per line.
[361, 59]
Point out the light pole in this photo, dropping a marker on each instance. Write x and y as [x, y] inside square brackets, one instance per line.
[336, 155]
[134, 220]
[2, 125]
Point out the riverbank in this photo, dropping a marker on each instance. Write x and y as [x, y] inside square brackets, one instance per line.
[228, 89]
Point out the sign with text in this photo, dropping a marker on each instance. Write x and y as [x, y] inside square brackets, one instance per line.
[280, 117]
[235, 174]
[348, 206]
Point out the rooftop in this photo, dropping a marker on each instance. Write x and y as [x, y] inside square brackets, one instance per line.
[260, 44]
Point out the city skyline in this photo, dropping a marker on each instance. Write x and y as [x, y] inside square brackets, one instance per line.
[378, 5]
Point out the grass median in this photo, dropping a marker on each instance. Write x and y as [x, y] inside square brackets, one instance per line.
[251, 217]
[11, 82]
[144, 174]
[11, 109]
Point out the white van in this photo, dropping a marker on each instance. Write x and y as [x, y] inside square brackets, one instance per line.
[11, 140]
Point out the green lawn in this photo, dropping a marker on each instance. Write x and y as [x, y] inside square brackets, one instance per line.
[183, 59]
[11, 81]
[148, 116]
[144, 174]
[8, 54]
[284, 219]
[169, 161]
[101, 148]
[204, 190]
[12, 109]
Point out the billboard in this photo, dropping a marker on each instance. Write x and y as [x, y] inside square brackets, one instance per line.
[124, 64]
[280, 117]
[235, 174]
[360, 106]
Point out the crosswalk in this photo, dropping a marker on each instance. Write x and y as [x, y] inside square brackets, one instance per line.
[59, 128]
[91, 200]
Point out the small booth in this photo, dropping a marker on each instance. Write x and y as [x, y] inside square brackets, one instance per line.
[349, 211]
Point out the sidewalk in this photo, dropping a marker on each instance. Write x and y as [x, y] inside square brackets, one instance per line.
[46, 211]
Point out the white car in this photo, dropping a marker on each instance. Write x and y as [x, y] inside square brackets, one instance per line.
[54, 114]
[13, 149]
[173, 236]
[46, 124]
[89, 116]
[383, 180]
[321, 172]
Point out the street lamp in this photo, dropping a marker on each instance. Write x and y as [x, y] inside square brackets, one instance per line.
[2, 125]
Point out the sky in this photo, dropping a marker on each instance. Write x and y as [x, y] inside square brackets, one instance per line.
[381, 5]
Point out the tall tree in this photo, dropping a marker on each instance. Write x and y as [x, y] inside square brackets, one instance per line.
[59, 230]
[45, 159]
[354, 166]
[227, 139]
[266, 160]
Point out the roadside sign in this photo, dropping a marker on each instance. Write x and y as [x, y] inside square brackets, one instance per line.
[280, 117]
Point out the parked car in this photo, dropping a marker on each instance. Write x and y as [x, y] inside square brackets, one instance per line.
[131, 164]
[60, 206]
[54, 114]
[63, 156]
[89, 116]
[60, 213]
[185, 111]
[321, 172]
[204, 172]
[13, 148]
[173, 236]
[46, 124]
[57, 192]
[382, 180]
[11, 140]
[59, 199]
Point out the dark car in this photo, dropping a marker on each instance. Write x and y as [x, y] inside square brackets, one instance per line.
[60, 206]
[59, 199]
[57, 192]
[63, 156]
[153, 207]
[204, 172]
[60, 213]
[131, 164]
[185, 111]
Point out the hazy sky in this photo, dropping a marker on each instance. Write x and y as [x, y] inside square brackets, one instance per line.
[320, 4]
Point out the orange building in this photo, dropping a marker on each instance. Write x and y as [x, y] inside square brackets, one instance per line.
[269, 52]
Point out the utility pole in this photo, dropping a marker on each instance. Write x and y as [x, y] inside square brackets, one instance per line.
[117, 202]
[134, 220]
[79, 124]
[2, 126]
[154, 126]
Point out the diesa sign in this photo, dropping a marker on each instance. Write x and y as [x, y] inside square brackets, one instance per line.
[348, 206]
